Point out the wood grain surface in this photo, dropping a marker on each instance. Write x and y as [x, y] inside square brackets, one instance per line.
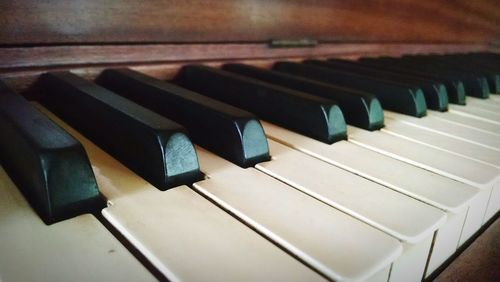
[31, 22]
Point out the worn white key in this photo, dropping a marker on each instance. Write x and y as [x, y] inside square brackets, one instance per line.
[464, 133]
[468, 171]
[182, 234]
[443, 142]
[467, 121]
[475, 113]
[439, 191]
[337, 245]
[76, 249]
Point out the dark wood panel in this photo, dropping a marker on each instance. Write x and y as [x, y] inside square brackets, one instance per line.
[20, 66]
[43, 57]
[112, 21]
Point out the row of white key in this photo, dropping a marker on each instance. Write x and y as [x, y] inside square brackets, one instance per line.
[398, 210]
[307, 174]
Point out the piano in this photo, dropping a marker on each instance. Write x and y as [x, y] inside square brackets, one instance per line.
[246, 140]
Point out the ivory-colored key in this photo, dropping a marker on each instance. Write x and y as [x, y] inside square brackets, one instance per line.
[76, 249]
[182, 234]
[392, 212]
[337, 245]
[495, 97]
[467, 121]
[436, 190]
[443, 142]
[468, 171]
[405, 218]
[486, 104]
[436, 125]
[475, 113]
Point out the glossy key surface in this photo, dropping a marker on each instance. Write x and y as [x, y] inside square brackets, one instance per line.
[154, 147]
[393, 96]
[313, 116]
[435, 93]
[359, 108]
[225, 130]
[47, 164]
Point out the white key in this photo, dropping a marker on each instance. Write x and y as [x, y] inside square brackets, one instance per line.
[182, 234]
[443, 142]
[76, 249]
[495, 97]
[455, 167]
[466, 121]
[423, 185]
[337, 245]
[431, 123]
[392, 212]
[411, 221]
[486, 104]
[475, 113]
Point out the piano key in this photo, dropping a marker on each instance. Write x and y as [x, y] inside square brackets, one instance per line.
[456, 130]
[484, 104]
[267, 204]
[471, 172]
[186, 237]
[313, 116]
[467, 121]
[435, 93]
[476, 86]
[383, 208]
[149, 144]
[76, 249]
[393, 96]
[359, 108]
[228, 131]
[452, 197]
[454, 87]
[146, 217]
[464, 69]
[463, 63]
[495, 98]
[48, 165]
[354, 195]
[443, 142]
[476, 113]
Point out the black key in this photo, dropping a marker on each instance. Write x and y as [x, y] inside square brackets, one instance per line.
[47, 164]
[435, 94]
[232, 133]
[393, 96]
[469, 64]
[360, 109]
[476, 86]
[310, 115]
[454, 87]
[154, 147]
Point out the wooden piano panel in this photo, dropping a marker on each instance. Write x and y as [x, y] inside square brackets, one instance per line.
[189, 21]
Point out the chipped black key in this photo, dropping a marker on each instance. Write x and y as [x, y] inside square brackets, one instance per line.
[393, 96]
[47, 164]
[234, 134]
[360, 109]
[435, 94]
[307, 114]
[152, 146]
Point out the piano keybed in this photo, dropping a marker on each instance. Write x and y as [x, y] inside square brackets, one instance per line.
[334, 201]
